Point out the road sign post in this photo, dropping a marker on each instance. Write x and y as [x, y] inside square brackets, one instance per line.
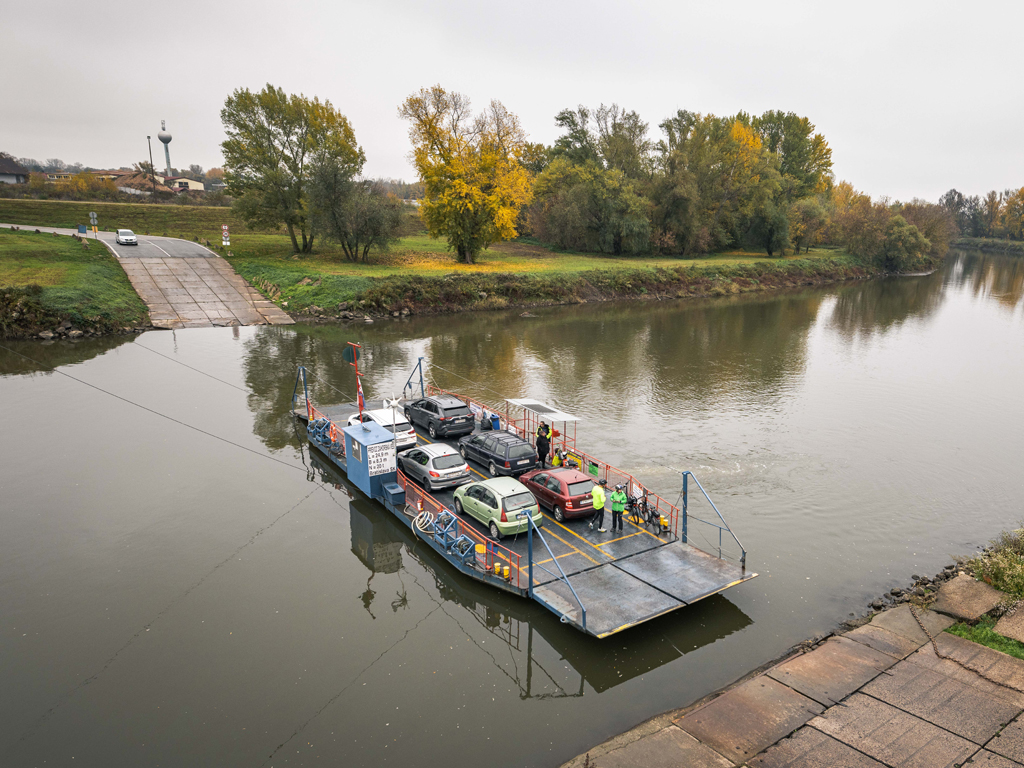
[225, 238]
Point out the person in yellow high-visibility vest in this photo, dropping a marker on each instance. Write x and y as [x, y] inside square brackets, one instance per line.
[599, 499]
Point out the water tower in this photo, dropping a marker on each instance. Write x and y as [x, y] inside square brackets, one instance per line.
[165, 137]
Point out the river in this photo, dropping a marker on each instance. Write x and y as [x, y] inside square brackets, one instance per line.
[181, 583]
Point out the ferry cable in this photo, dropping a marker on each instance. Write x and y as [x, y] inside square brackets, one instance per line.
[150, 410]
[204, 373]
[32, 729]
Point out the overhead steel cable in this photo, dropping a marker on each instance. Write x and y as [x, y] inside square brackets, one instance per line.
[154, 412]
[204, 373]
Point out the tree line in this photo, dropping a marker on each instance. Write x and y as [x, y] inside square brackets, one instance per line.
[607, 184]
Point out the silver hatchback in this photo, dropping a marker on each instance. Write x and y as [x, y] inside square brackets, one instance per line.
[434, 466]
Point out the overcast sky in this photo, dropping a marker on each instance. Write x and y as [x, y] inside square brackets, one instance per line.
[913, 98]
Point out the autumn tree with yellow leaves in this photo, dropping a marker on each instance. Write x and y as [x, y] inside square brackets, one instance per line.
[472, 168]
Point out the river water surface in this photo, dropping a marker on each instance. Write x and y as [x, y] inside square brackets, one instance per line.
[181, 583]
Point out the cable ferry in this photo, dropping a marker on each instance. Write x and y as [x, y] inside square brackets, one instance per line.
[466, 477]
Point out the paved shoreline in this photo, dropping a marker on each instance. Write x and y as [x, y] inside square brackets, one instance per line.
[186, 285]
[874, 696]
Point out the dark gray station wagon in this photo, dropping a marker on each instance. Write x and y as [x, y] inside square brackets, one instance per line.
[441, 416]
[501, 452]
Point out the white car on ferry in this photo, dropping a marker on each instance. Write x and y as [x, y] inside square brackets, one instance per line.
[405, 435]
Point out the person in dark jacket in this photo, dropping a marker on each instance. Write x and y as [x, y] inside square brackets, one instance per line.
[543, 445]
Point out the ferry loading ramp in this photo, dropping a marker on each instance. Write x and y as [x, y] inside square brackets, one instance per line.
[600, 583]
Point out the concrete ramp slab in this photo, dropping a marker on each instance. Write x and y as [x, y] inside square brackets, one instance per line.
[967, 599]
[833, 670]
[750, 717]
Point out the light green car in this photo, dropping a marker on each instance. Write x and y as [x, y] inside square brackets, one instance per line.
[498, 503]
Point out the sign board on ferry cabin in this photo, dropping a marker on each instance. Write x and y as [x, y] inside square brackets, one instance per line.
[380, 459]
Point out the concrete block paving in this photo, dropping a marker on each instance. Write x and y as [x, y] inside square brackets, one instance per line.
[183, 292]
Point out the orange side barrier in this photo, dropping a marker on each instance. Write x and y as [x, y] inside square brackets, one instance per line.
[496, 553]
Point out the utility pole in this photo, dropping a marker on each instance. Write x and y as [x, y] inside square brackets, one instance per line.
[152, 176]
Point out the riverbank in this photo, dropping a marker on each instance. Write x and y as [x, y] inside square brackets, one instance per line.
[419, 275]
[309, 293]
[990, 245]
[54, 287]
[940, 665]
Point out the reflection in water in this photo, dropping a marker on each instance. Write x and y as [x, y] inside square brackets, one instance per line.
[53, 354]
[670, 356]
[530, 632]
[1000, 278]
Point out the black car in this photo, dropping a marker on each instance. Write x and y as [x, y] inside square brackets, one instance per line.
[502, 452]
[441, 415]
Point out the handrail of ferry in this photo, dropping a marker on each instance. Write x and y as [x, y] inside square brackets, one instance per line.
[743, 551]
[413, 494]
[559, 576]
[674, 514]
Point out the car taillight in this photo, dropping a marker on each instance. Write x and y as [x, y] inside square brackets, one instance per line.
[507, 465]
[434, 474]
[568, 503]
[504, 517]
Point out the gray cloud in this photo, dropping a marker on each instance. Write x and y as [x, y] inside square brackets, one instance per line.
[914, 98]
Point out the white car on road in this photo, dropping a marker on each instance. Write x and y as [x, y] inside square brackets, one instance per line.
[126, 237]
[405, 435]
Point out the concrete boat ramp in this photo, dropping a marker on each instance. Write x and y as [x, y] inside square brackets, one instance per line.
[621, 578]
[184, 284]
[878, 696]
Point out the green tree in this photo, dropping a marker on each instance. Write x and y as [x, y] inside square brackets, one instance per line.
[807, 217]
[472, 169]
[587, 208]
[358, 215]
[804, 157]
[769, 226]
[902, 245]
[275, 143]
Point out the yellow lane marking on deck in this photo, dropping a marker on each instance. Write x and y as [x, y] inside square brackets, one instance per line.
[575, 550]
[570, 546]
[568, 530]
[550, 559]
[621, 538]
[639, 529]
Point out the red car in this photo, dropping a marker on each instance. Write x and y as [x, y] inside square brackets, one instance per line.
[563, 490]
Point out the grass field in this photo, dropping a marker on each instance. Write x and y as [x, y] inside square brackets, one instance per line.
[86, 285]
[325, 278]
[173, 220]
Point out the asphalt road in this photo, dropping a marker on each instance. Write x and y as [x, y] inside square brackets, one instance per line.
[149, 246]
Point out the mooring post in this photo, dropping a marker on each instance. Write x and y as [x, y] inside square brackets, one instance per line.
[685, 486]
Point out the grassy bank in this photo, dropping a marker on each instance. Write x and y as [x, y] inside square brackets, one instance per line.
[46, 280]
[420, 275]
[317, 287]
[173, 220]
[1014, 247]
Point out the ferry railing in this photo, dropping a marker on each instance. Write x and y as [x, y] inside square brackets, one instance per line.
[531, 527]
[300, 377]
[419, 498]
[722, 529]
